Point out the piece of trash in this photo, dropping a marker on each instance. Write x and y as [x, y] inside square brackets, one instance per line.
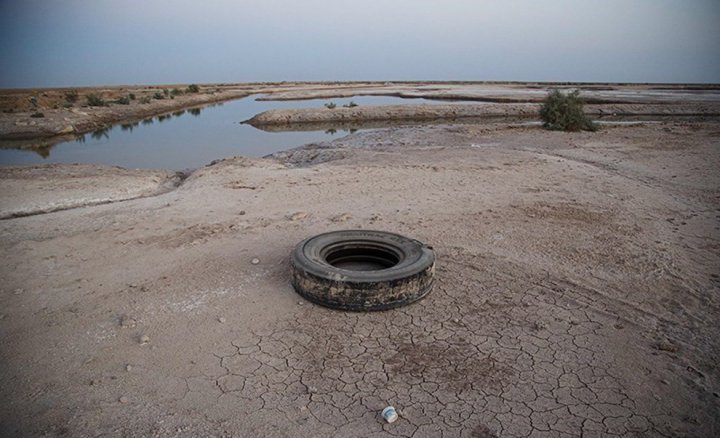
[389, 414]
[255, 261]
[144, 339]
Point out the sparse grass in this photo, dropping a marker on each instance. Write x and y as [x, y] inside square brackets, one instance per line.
[330, 105]
[193, 88]
[37, 114]
[144, 100]
[67, 104]
[564, 112]
[125, 100]
[95, 100]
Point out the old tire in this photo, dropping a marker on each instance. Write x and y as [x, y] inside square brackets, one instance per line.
[362, 270]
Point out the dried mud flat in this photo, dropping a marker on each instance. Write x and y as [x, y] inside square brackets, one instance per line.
[577, 293]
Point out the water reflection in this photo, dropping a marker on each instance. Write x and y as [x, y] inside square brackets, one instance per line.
[104, 133]
[129, 126]
[101, 133]
[178, 141]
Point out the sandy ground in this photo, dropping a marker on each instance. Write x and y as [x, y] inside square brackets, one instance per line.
[29, 190]
[577, 293]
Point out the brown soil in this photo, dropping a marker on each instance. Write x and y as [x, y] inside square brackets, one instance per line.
[577, 292]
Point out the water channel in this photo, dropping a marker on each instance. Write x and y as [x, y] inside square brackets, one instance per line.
[191, 138]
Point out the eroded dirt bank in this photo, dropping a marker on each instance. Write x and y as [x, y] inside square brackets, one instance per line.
[29, 190]
[576, 294]
[296, 118]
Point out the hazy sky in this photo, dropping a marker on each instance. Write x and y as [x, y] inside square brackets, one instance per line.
[95, 42]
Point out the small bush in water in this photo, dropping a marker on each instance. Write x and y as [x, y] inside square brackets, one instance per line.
[330, 105]
[564, 112]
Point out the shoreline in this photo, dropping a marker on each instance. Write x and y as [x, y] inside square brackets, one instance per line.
[509, 98]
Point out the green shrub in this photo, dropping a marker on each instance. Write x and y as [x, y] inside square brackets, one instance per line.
[67, 104]
[564, 112]
[158, 95]
[176, 92]
[330, 105]
[71, 96]
[37, 114]
[166, 92]
[131, 96]
[193, 88]
[95, 100]
[144, 100]
[123, 100]
[351, 105]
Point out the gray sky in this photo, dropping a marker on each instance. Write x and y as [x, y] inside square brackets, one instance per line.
[95, 42]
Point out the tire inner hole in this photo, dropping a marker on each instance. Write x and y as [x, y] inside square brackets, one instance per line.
[362, 258]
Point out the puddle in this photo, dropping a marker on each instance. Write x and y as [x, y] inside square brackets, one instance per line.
[191, 138]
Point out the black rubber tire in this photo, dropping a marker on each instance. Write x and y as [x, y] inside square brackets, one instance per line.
[403, 272]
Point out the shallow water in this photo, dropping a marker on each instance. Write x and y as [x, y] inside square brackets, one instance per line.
[190, 139]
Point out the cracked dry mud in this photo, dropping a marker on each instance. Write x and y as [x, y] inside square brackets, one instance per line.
[576, 294]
